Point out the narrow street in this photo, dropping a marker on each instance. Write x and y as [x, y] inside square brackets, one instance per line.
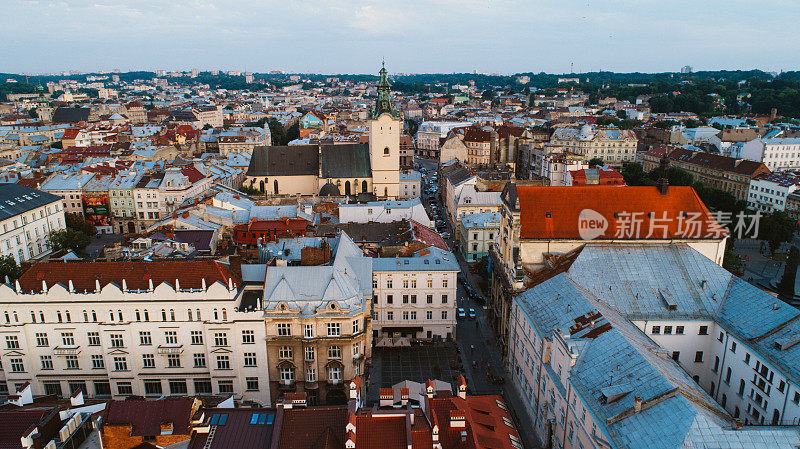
[480, 355]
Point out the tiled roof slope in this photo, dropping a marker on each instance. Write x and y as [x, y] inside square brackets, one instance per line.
[137, 274]
[621, 283]
[146, 417]
[553, 212]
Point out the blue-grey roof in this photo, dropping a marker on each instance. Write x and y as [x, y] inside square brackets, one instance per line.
[622, 283]
[431, 259]
[481, 220]
[16, 199]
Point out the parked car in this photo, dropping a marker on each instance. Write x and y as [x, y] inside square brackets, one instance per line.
[471, 313]
[460, 313]
[446, 235]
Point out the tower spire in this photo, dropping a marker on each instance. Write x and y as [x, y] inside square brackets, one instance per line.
[384, 102]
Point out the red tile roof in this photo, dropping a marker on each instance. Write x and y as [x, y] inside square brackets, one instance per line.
[553, 212]
[484, 423]
[136, 274]
[193, 174]
[16, 423]
[146, 417]
[317, 427]
[381, 432]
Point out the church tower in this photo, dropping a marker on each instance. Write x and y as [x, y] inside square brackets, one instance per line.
[385, 127]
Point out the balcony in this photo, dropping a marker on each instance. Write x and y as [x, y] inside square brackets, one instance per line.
[165, 350]
[66, 350]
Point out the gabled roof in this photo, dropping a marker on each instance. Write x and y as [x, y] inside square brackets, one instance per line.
[313, 428]
[345, 161]
[284, 161]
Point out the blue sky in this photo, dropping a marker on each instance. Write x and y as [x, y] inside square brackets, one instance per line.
[351, 36]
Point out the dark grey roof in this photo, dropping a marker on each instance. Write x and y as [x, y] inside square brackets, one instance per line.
[16, 199]
[70, 115]
[284, 161]
[329, 189]
[346, 161]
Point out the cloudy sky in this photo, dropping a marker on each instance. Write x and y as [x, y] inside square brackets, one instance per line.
[351, 36]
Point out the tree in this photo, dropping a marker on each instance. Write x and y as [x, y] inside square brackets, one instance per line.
[594, 162]
[276, 131]
[732, 262]
[621, 114]
[776, 228]
[487, 94]
[9, 268]
[292, 133]
[207, 126]
[79, 223]
[412, 127]
[786, 284]
[32, 113]
[69, 240]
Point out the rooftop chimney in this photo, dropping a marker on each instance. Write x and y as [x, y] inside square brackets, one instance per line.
[458, 419]
[637, 404]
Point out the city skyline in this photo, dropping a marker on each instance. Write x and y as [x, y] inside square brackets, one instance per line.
[415, 37]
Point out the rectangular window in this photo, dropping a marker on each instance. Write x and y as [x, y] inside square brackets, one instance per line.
[356, 326]
[171, 337]
[405, 315]
[197, 337]
[703, 330]
[413, 299]
[120, 364]
[248, 337]
[429, 299]
[145, 339]
[98, 362]
[429, 315]
[335, 374]
[287, 375]
[356, 350]
[199, 360]
[698, 357]
[124, 388]
[152, 388]
[334, 329]
[102, 388]
[389, 315]
[223, 362]
[148, 361]
[310, 353]
[251, 383]
[655, 330]
[202, 386]
[116, 341]
[444, 283]
[284, 329]
[444, 299]
[389, 299]
[249, 359]
[67, 339]
[177, 386]
[47, 362]
[308, 331]
[667, 330]
[173, 360]
[17, 366]
[94, 338]
[733, 346]
[41, 339]
[220, 339]
[405, 299]
[444, 314]
[334, 352]
[311, 375]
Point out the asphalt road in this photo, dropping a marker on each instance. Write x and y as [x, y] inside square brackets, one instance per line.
[480, 356]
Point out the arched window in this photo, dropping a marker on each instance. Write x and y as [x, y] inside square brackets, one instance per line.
[224, 314]
[172, 314]
[261, 186]
[363, 186]
[69, 318]
[347, 188]
[190, 314]
[163, 315]
[94, 316]
[275, 186]
[138, 316]
[386, 151]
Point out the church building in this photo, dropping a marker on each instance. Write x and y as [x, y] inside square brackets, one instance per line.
[334, 170]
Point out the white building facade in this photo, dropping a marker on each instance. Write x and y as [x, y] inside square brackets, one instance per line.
[171, 328]
[27, 218]
[768, 192]
[415, 296]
